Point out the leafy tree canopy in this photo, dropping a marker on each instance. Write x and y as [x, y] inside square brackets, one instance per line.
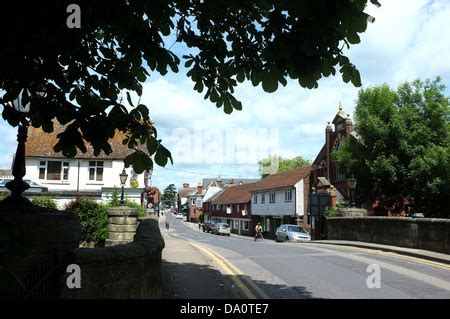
[403, 147]
[88, 73]
[280, 164]
[170, 192]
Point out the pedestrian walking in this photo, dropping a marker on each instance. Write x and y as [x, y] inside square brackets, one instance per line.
[167, 225]
[199, 225]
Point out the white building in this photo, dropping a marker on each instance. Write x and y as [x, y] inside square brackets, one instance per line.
[84, 176]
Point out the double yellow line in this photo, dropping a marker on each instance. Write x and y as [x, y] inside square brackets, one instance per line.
[235, 274]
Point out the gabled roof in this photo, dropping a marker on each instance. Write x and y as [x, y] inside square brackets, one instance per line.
[239, 194]
[340, 116]
[40, 144]
[207, 181]
[186, 191]
[283, 179]
[320, 156]
[211, 193]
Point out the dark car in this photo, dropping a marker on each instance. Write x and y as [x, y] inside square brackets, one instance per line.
[208, 226]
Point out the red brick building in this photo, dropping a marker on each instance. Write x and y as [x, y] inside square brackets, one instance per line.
[327, 176]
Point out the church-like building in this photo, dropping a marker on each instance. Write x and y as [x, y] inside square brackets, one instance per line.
[327, 177]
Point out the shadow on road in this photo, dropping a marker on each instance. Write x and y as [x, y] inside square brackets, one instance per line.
[194, 281]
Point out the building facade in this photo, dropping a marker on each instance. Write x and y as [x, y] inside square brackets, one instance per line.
[281, 198]
[232, 206]
[84, 176]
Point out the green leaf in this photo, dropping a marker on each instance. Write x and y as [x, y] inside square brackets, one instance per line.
[270, 84]
[162, 155]
[152, 145]
[129, 99]
[198, 87]
[240, 77]
[353, 38]
[214, 96]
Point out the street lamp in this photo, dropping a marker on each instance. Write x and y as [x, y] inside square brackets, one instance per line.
[123, 180]
[17, 186]
[352, 184]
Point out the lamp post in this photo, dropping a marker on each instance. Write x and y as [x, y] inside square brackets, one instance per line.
[17, 186]
[352, 184]
[123, 180]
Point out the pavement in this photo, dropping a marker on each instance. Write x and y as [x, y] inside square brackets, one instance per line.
[197, 279]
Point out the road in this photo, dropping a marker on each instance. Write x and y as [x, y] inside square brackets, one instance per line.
[297, 271]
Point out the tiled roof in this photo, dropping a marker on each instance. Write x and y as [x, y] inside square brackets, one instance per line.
[283, 179]
[186, 191]
[236, 181]
[238, 194]
[40, 144]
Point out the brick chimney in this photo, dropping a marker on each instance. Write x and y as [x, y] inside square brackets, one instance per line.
[185, 185]
[199, 188]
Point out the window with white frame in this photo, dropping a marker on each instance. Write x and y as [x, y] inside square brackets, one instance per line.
[288, 195]
[272, 197]
[255, 198]
[96, 171]
[263, 198]
[54, 170]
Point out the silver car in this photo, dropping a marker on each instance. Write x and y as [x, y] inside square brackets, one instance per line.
[221, 229]
[292, 233]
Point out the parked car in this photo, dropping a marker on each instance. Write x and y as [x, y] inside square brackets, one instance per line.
[221, 229]
[291, 232]
[208, 226]
[179, 216]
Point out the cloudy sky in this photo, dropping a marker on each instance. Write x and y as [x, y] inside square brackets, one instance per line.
[408, 40]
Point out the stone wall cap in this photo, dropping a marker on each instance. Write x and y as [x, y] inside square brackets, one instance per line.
[405, 219]
[122, 211]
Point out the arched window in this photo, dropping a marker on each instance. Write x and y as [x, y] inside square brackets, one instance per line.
[339, 174]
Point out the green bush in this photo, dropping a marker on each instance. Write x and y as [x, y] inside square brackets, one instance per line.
[44, 201]
[93, 219]
[331, 212]
[141, 211]
[3, 195]
[115, 201]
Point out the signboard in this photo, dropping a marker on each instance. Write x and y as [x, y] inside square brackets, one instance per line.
[150, 210]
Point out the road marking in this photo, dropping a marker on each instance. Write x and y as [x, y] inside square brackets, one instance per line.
[442, 284]
[392, 254]
[227, 271]
[261, 293]
[235, 272]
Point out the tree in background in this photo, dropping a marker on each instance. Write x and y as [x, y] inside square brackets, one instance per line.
[402, 149]
[80, 64]
[284, 164]
[170, 193]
